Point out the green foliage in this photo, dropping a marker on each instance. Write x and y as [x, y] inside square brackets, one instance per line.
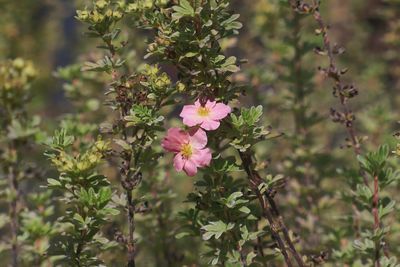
[88, 198]
[27, 223]
[246, 130]
[115, 199]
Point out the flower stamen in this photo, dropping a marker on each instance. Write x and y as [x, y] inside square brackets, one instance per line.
[203, 111]
[186, 150]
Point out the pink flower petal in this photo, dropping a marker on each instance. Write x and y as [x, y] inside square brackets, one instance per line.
[220, 111]
[174, 140]
[190, 115]
[210, 104]
[192, 120]
[198, 138]
[188, 110]
[210, 125]
[189, 149]
[202, 157]
[179, 162]
[207, 121]
[190, 167]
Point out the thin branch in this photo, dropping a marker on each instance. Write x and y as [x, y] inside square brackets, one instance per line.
[271, 213]
[129, 185]
[375, 212]
[13, 212]
[128, 182]
[341, 89]
[131, 223]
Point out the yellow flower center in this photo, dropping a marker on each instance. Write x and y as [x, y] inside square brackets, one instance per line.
[186, 150]
[203, 111]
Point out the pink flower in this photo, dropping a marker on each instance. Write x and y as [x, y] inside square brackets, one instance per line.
[207, 116]
[189, 148]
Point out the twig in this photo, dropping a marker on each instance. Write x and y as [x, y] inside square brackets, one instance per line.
[13, 205]
[271, 213]
[333, 72]
[131, 223]
[79, 249]
[376, 218]
[128, 182]
[348, 117]
[129, 185]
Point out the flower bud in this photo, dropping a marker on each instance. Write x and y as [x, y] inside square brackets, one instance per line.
[83, 15]
[180, 87]
[100, 4]
[132, 7]
[97, 17]
[152, 47]
[117, 15]
[148, 4]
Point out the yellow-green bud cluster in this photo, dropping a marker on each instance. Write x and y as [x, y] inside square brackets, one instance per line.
[180, 87]
[143, 5]
[16, 74]
[81, 163]
[110, 11]
[154, 78]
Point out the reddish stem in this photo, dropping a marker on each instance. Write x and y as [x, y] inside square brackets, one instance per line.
[375, 212]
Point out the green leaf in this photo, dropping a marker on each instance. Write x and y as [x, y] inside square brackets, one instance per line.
[111, 211]
[383, 211]
[104, 197]
[245, 209]
[231, 23]
[123, 144]
[231, 200]
[53, 182]
[79, 218]
[182, 235]
[216, 229]
[250, 257]
[183, 9]
[229, 65]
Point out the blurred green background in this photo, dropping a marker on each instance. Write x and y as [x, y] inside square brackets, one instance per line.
[46, 32]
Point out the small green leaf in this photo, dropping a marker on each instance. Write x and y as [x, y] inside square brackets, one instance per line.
[182, 235]
[53, 182]
[250, 257]
[216, 229]
[245, 209]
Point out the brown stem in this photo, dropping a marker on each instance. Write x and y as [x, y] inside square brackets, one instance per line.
[128, 185]
[271, 213]
[13, 213]
[285, 230]
[376, 218]
[334, 73]
[375, 203]
[274, 229]
[131, 223]
[336, 77]
[79, 248]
